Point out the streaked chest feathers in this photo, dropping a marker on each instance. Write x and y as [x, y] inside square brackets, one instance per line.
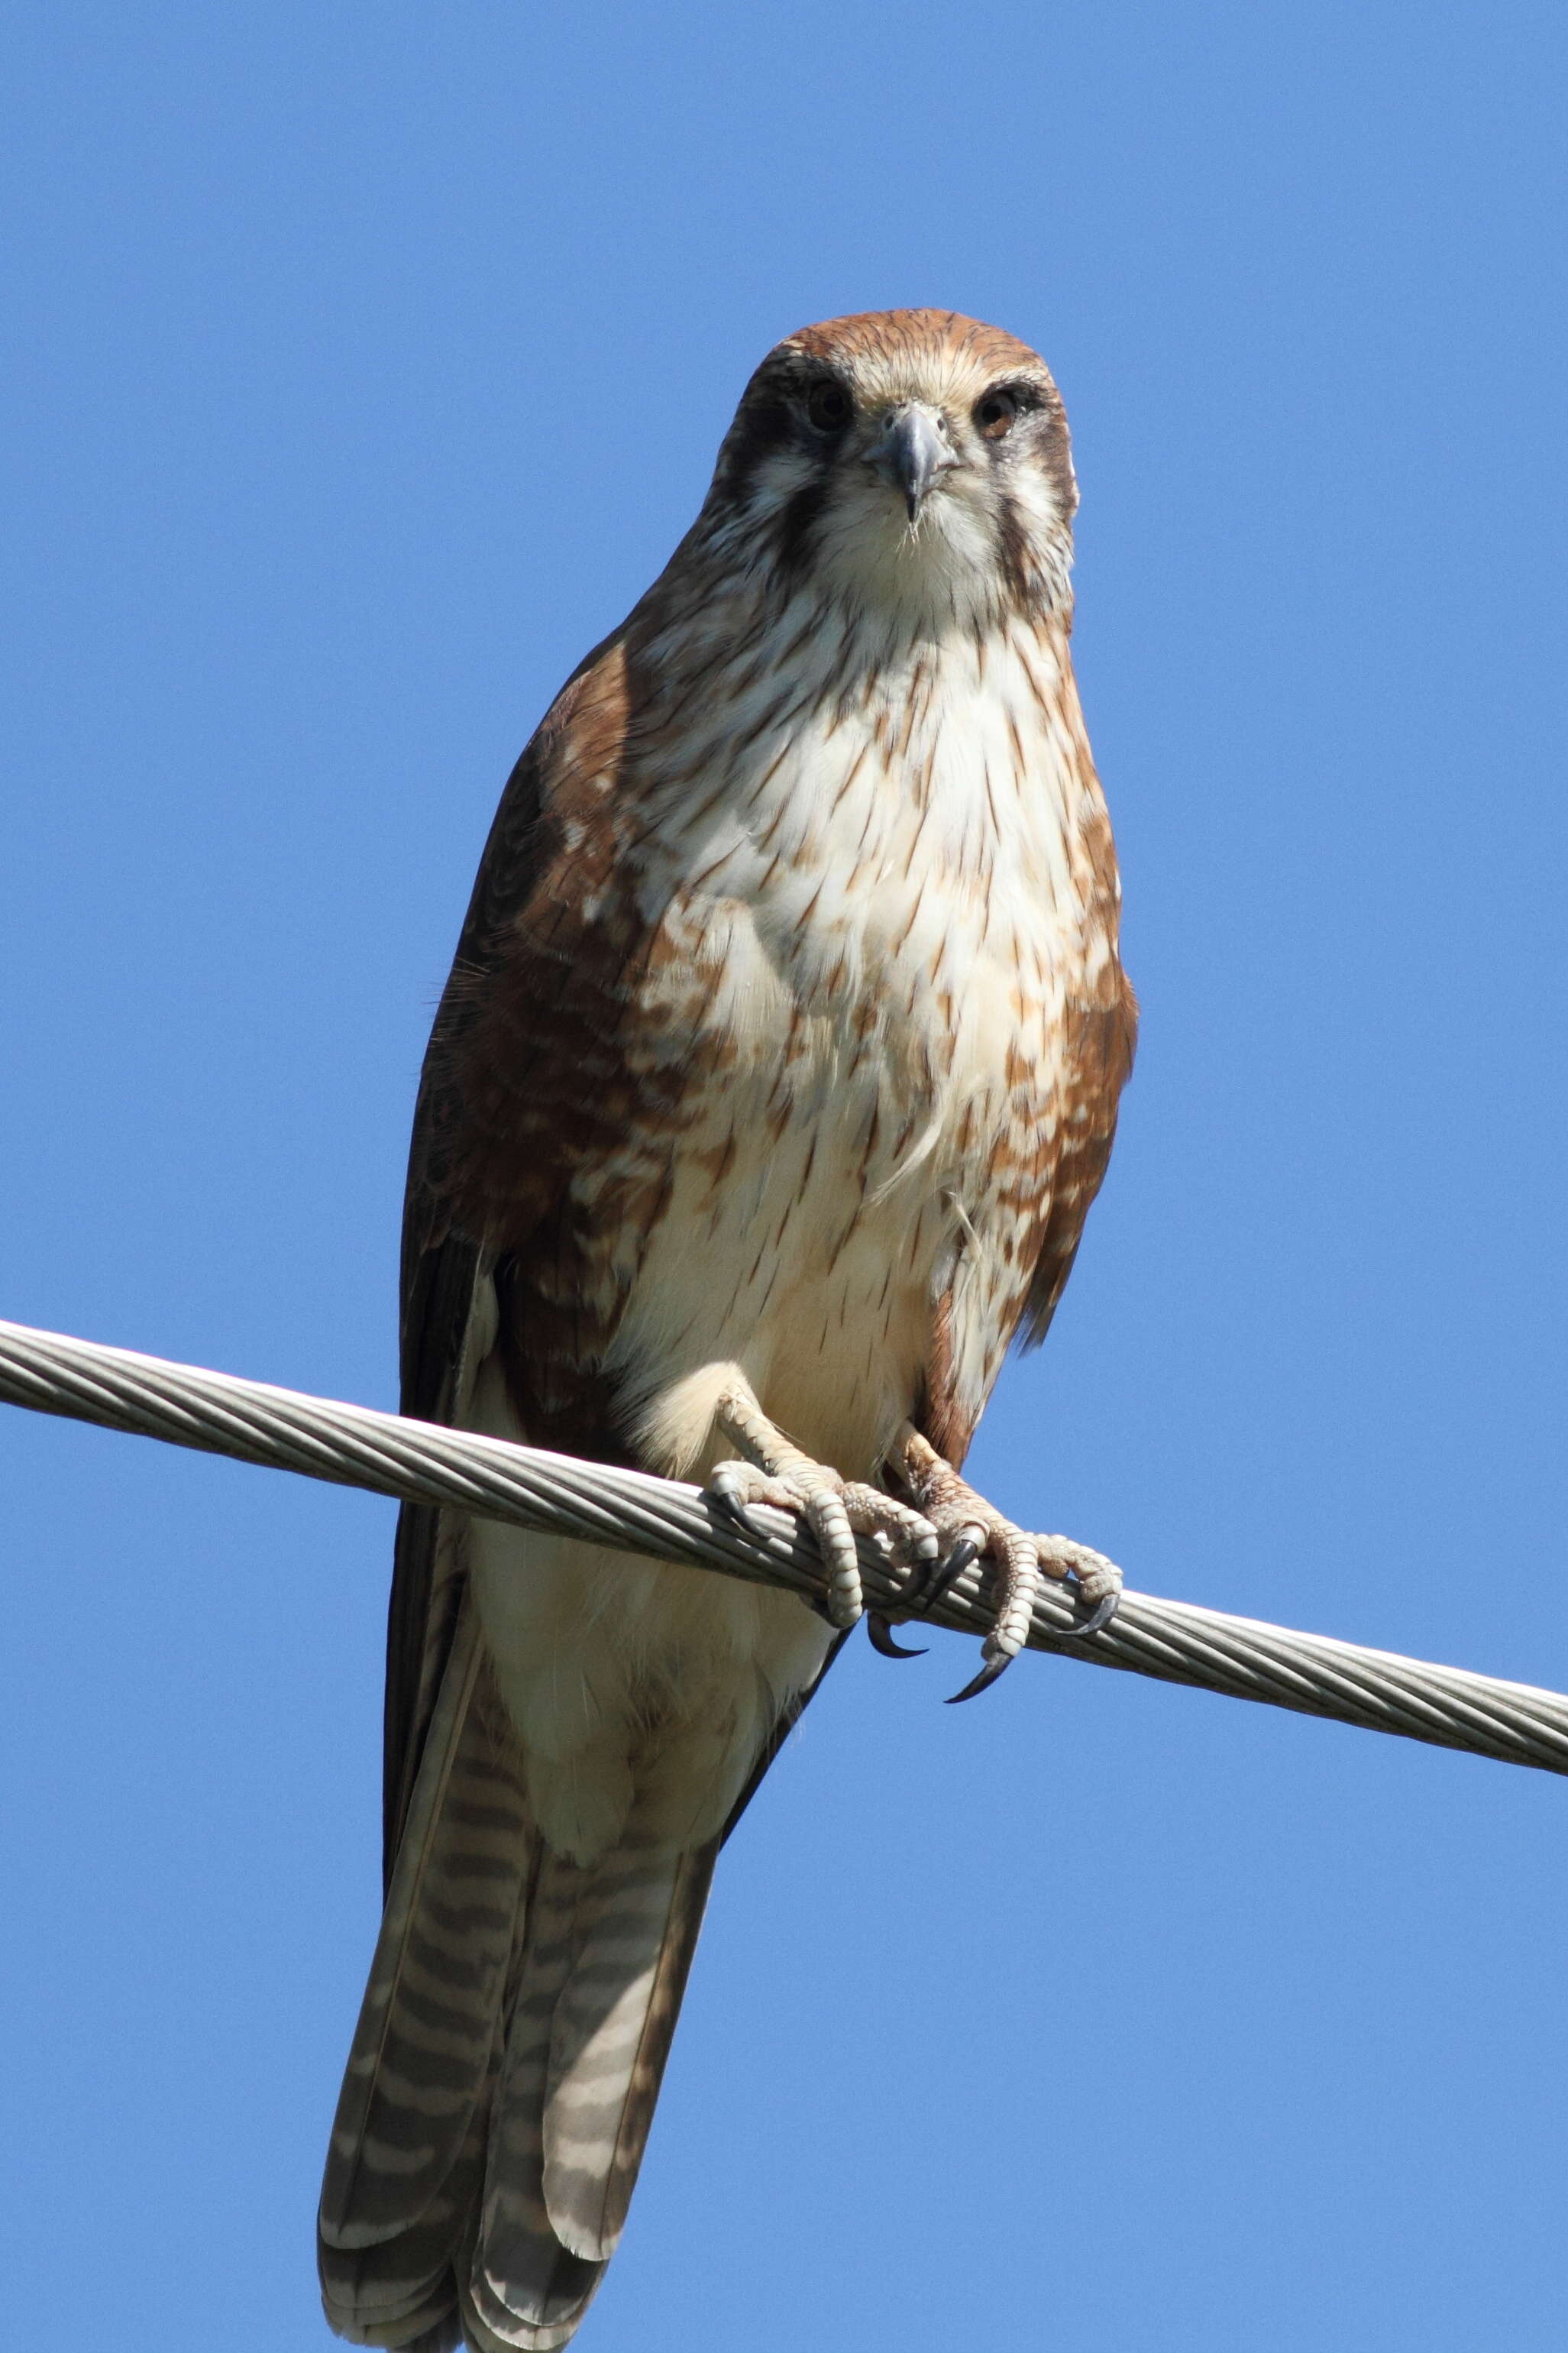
[866, 914]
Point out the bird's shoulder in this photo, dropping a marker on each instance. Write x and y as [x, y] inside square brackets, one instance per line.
[548, 927]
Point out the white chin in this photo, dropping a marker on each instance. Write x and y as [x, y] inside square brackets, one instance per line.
[942, 565]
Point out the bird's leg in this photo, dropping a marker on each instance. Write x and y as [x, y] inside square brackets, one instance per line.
[835, 1508]
[968, 1527]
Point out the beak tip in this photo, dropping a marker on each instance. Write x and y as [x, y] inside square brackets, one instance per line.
[913, 451]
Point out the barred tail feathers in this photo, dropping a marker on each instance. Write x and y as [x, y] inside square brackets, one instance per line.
[508, 2056]
[406, 2152]
[608, 1952]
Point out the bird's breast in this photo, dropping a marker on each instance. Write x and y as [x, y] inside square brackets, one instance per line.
[862, 930]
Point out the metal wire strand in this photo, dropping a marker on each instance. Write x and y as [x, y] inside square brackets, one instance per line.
[353, 1446]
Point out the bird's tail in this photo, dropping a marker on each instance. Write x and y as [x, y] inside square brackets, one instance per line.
[508, 2056]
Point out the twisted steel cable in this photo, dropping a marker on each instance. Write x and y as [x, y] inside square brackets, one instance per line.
[354, 1446]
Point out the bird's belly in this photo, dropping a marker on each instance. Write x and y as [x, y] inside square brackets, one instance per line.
[809, 1266]
[868, 1044]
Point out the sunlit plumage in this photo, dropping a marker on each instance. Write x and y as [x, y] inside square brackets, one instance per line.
[775, 1076]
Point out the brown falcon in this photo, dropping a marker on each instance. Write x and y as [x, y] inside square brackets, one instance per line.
[776, 1073]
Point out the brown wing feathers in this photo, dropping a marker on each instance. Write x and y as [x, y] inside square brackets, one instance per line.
[509, 2054]
[489, 1162]
[1101, 1037]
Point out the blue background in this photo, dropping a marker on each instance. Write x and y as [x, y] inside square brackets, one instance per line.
[367, 362]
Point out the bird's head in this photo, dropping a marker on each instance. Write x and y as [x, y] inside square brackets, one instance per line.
[906, 460]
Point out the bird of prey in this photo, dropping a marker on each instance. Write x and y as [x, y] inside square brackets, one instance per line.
[777, 1071]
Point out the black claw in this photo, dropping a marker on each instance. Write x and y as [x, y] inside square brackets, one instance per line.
[1101, 1615]
[958, 1560]
[982, 1682]
[938, 1580]
[739, 1514]
[880, 1636]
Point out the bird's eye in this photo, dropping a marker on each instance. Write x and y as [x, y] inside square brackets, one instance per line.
[829, 405]
[994, 415]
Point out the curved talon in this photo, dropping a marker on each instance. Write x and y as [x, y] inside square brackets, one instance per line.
[982, 1682]
[728, 1506]
[1101, 1615]
[931, 1588]
[735, 1510]
[881, 1635]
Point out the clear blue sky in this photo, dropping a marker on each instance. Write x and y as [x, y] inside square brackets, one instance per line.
[365, 364]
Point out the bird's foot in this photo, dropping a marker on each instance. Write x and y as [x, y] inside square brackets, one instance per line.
[968, 1527]
[835, 1509]
[1094, 1582]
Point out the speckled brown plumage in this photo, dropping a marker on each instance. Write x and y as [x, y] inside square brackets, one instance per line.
[780, 1060]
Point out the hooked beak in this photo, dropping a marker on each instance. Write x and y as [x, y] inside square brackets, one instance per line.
[913, 450]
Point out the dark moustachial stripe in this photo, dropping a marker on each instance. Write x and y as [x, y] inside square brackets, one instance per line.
[797, 524]
[772, 420]
[1013, 550]
[769, 418]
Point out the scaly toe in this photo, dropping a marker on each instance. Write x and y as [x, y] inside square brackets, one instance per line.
[823, 1509]
[1093, 1583]
[734, 1487]
[837, 1510]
